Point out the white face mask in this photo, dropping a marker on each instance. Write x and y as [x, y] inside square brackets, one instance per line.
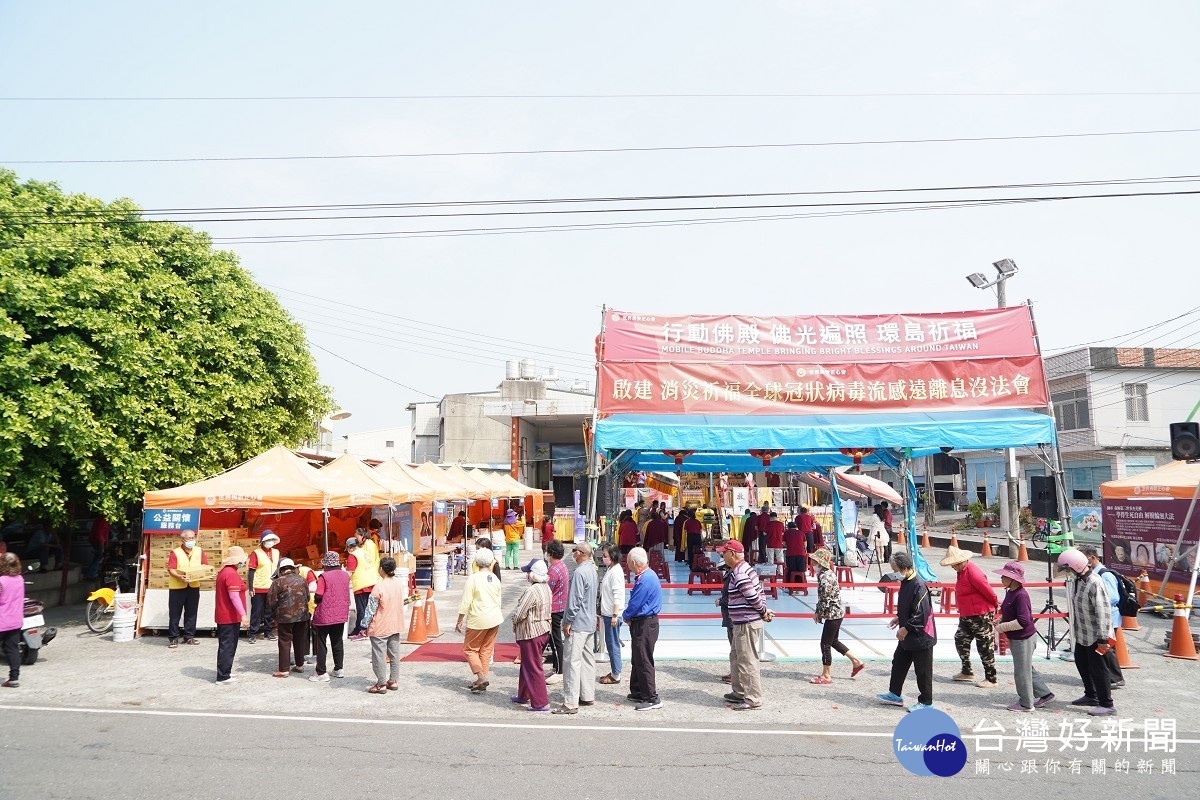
[189, 543]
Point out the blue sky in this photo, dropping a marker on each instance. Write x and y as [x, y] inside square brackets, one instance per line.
[1093, 268]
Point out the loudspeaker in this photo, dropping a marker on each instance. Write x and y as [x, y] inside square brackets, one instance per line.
[1043, 501]
[1185, 441]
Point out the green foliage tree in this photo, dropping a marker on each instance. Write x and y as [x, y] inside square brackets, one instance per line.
[133, 356]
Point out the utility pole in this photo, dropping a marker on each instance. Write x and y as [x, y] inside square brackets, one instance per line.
[1010, 505]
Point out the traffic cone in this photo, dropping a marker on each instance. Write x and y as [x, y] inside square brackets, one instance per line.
[1123, 652]
[1143, 588]
[1023, 553]
[1182, 645]
[900, 537]
[953, 539]
[1130, 623]
[416, 626]
[987, 548]
[431, 624]
[924, 536]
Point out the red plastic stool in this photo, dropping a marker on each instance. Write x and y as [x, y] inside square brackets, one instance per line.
[798, 576]
[889, 599]
[845, 574]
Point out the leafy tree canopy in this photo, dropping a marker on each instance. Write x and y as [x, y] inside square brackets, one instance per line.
[133, 356]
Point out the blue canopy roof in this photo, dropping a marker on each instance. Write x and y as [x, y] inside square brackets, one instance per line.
[812, 441]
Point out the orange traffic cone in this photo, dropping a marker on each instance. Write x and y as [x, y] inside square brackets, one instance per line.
[1123, 652]
[416, 626]
[953, 539]
[900, 537]
[1143, 588]
[1130, 623]
[1182, 645]
[924, 536]
[1023, 553]
[986, 552]
[431, 624]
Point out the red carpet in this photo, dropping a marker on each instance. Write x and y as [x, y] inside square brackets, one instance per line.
[453, 651]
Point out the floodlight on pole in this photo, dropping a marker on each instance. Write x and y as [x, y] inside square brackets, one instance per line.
[1006, 267]
[978, 280]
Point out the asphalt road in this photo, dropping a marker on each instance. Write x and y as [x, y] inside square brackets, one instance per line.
[62, 753]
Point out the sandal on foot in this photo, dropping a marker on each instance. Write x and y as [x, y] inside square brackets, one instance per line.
[392, 686]
[609, 680]
[378, 688]
[861, 666]
[476, 688]
[279, 674]
[727, 679]
[821, 680]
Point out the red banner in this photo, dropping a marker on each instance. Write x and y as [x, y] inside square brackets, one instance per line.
[633, 388]
[883, 338]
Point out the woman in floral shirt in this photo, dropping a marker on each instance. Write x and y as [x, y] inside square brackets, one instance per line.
[830, 612]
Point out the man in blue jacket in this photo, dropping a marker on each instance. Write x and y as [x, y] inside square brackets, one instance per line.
[645, 603]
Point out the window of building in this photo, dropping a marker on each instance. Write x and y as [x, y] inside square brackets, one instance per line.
[390, 443]
[1136, 407]
[1071, 410]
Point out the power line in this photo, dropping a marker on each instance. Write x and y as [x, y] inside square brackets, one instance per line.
[592, 96]
[601, 150]
[447, 328]
[105, 212]
[635, 210]
[1123, 336]
[373, 372]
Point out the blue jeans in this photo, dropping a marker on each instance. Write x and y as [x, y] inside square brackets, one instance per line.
[612, 643]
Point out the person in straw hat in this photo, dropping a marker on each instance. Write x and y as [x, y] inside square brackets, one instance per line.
[229, 612]
[830, 612]
[1016, 621]
[977, 617]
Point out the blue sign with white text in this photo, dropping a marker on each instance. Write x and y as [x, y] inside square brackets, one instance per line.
[170, 519]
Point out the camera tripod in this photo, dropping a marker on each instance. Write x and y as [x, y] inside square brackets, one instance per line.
[1052, 642]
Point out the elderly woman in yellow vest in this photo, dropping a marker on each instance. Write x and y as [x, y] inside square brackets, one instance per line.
[260, 571]
[514, 528]
[480, 611]
[363, 565]
[185, 570]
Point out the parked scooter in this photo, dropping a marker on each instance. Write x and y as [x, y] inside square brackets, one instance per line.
[34, 635]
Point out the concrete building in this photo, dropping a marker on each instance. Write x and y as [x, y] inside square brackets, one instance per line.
[378, 445]
[1112, 409]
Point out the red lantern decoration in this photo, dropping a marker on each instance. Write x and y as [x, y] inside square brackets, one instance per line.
[678, 455]
[766, 455]
[857, 453]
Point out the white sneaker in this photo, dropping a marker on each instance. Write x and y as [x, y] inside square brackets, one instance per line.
[227, 682]
[338, 673]
[554, 679]
[322, 678]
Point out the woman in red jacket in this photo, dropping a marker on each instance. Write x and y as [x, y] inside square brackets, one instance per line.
[627, 532]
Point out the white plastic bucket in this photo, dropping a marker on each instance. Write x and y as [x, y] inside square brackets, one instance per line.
[124, 617]
[441, 572]
[402, 574]
[528, 538]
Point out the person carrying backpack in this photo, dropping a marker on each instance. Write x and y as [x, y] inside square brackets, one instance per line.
[1113, 582]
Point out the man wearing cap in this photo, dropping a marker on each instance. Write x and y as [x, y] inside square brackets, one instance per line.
[1091, 630]
[579, 624]
[260, 569]
[645, 603]
[977, 617]
[288, 599]
[513, 531]
[742, 599]
[183, 588]
[362, 562]
[229, 612]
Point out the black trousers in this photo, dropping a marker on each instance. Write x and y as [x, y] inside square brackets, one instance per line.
[10, 645]
[185, 602]
[227, 642]
[830, 642]
[556, 641]
[644, 634]
[332, 634]
[291, 643]
[795, 564]
[360, 607]
[1113, 666]
[260, 615]
[922, 662]
[1093, 671]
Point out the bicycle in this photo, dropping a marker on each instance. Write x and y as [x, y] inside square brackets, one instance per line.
[118, 575]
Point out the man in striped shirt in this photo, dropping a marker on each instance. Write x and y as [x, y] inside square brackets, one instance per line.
[743, 602]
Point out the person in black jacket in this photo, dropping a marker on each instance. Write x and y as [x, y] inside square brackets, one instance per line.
[916, 634]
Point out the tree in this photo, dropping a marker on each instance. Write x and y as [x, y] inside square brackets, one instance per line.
[133, 356]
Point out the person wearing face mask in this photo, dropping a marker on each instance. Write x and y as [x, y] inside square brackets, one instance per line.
[183, 595]
[229, 612]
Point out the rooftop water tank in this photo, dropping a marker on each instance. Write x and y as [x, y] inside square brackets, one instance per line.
[511, 371]
[528, 369]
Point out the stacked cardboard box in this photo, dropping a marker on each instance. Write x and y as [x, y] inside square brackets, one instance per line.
[214, 543]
